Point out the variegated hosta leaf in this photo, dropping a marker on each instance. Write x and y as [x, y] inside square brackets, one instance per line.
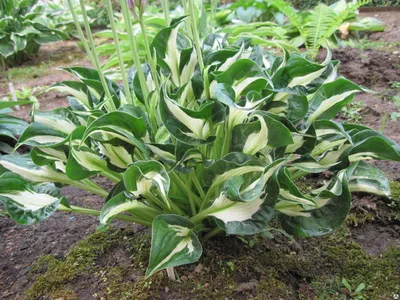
[330, 99]
[189, 126]
[28, 204]
[309, 165]
[50, 128]
[78, 90]
[297, 72]
[128, 124]
[246, 217]
[91, 78]
[333, 203]
[369, 179]
[243, 75]
[173, 55]
[23, 166]
[238, 112]
[83, 162]
[250, 187]
[120, 204]
[369, 144]
[173, 243]
[233, 164]
[252, 137]
[11, 126]
[141, 176]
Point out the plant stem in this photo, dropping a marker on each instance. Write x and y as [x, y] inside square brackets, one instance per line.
[171, 273]
[80, 32]
[93, 188]
[183, 186]
[165, 8]
[213, 232]
[197, 185]
[214, 4]
[109, 102]
[153, 65]
[93, 212]
[196, 37]
[119, 53]
[3, 63]
[186, 12]
[134, 50]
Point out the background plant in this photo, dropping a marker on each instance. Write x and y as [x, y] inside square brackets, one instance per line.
[204, 138]
[10, 127]
[27, 24]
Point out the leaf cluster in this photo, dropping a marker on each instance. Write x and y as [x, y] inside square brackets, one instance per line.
[203, 142]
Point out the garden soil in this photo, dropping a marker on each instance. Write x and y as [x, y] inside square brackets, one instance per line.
[51, 261]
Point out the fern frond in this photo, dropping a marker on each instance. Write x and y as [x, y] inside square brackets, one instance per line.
[321, 23]
[293, 15]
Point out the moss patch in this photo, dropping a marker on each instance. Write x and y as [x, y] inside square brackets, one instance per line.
[251, 268]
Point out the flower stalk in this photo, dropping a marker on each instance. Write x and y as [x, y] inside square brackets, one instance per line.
[119, 53]
[109, 103]
[196, 36]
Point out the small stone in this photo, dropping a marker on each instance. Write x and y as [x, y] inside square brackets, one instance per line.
[247, 286]
[295, 246]
[166, 289]
[199, 269]
[206, 285]
[184, 278]
[396, 52]
[62, 298]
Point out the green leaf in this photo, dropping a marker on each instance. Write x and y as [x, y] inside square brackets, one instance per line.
[330, 99]
[369, 179]
[141, 176]
[11, 126]
[244, 218]
[7, 104]
[252, 137]
[28, 204]
[334, 203]
[173, 243]
[20, 42]
[188, 126]
[7, 48]
[128, 124]
[120, 204]
[23, 166]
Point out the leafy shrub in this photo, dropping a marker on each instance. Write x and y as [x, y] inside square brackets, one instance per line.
[263, 22]
[306, 4]
[27, 24]
[200, 140]
[315, 27]
[10, 127]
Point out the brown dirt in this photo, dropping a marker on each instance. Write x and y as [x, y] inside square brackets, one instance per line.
[21, 246]
[377, 69]
[45, 72]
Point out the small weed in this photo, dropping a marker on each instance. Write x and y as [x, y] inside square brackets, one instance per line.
[396, 85]
[394, 116]
[352, 112]
[356, 294]
[27, 94]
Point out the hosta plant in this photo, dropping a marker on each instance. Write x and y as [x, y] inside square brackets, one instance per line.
[24, 26]
[10, 127]
[202, 139]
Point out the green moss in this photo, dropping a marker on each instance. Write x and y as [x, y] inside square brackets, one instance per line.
[59, 272]
[395, 188]
[227, 265]
[357, 218]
